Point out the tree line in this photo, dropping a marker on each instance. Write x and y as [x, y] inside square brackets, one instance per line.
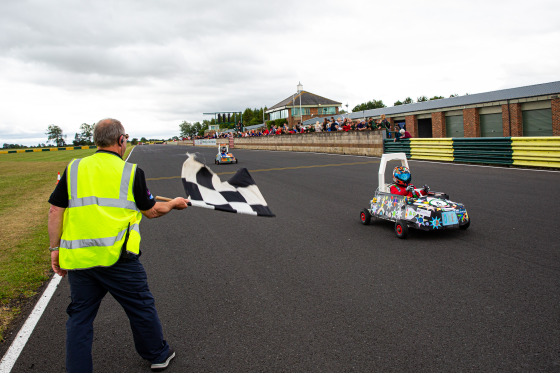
[248, 117]
[55, 135]
[83, 137]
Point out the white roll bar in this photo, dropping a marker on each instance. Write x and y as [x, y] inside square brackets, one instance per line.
[389, 157]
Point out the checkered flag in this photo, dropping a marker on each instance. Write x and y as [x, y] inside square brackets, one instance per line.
[238, 195]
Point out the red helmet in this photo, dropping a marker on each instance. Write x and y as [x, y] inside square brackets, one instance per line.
[401, 176]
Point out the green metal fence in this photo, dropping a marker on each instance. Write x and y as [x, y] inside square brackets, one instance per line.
[391, 146]
[483, 150]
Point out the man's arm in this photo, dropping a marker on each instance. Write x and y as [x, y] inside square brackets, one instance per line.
[56, 217]
[162, 208]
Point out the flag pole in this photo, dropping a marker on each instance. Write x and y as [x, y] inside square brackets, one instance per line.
[163, 198]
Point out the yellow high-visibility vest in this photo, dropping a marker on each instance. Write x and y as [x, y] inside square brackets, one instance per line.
[101, 212]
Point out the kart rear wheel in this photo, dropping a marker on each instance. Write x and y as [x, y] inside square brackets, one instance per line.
[365, 217]
[466, 225]
[401, 229]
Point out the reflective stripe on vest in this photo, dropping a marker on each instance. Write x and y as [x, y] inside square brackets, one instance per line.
[99, 242]
[95, 227]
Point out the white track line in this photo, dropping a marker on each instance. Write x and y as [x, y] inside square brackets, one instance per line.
[132, 150]
[24, 333]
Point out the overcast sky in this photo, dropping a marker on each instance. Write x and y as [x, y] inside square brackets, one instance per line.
[154, 64]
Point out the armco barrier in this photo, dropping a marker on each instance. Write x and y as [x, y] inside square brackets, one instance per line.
[536, 151]
[541, 152]
[29, 150]
[483, 150]
[519, 151]
[391, 146]
[438, 149]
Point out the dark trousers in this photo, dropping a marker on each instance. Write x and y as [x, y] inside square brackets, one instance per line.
[128, 283]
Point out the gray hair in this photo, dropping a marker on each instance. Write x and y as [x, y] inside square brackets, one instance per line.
[107, 132]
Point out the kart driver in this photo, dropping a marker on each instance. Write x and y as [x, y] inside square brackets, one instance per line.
[403, 187]
[224, 151]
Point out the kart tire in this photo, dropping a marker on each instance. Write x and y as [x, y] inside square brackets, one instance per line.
[401, 229]
[365, 217]
[236, 160]
[466, 225]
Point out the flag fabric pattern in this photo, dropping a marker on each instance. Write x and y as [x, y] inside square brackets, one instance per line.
[240, 194]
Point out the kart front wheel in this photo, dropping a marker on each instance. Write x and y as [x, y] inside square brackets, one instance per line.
[466, 225]
[365, 217]
[401, 229]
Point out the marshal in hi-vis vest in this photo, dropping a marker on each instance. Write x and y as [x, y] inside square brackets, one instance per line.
[101, 212]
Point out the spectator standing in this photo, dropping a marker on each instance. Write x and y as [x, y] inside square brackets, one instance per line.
[317, 127]
[334, 125]
[385, 125]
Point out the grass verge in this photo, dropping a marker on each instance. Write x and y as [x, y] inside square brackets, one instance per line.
[26, 182]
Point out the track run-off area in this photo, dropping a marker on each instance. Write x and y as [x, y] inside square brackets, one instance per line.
[314, 290]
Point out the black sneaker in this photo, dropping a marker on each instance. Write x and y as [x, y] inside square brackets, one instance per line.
[163, 365]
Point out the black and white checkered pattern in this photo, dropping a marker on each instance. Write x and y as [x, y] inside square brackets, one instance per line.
[238, 195]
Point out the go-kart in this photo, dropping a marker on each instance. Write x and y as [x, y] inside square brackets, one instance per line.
[223, 156]
[431, 212]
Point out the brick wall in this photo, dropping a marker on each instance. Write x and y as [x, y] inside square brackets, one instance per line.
[438, 125]
[471, 123]
[412, 125]
[555, 106]
[512, 119]
[392, 123]
[516, 119]
[505, 120]
[368, 143]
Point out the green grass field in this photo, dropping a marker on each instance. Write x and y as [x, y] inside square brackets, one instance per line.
[26, 182]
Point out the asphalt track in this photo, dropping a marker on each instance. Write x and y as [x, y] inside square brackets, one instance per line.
[314, 290]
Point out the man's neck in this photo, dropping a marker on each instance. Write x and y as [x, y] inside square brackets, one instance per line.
[113, 148]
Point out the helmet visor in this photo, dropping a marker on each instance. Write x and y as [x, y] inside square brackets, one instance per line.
[405, 177]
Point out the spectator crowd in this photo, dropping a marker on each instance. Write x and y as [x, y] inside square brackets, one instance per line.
[328, 125]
